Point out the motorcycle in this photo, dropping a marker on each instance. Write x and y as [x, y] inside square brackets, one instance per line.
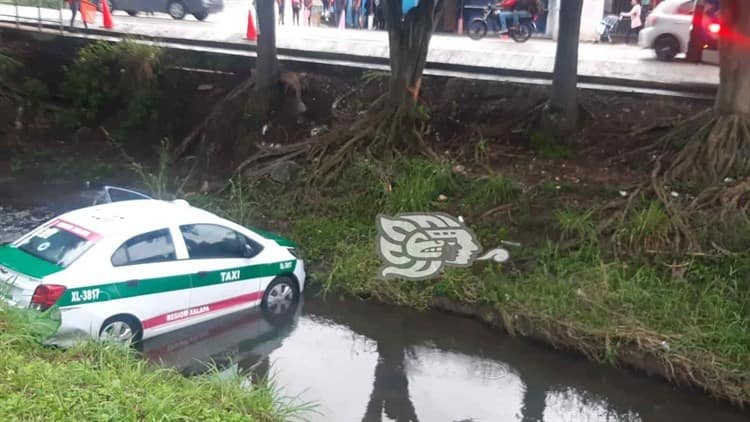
[478, 27]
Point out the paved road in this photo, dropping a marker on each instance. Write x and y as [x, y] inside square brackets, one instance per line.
[619, 61]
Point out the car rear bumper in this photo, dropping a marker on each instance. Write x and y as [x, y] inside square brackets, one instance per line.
[646, 37]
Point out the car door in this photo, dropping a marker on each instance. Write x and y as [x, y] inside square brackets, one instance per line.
[226, 277]
[152, 283]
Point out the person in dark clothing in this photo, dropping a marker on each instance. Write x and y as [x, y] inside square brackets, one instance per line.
[296, 6]
[281, 4]
[379, 19]
[75, 6]
[340, 9]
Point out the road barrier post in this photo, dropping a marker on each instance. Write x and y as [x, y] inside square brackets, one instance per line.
[18, 21]
[62, 4]
[39, 14]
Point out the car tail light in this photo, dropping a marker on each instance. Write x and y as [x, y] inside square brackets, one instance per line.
[46, 295]
[651, 20]
[714, 28]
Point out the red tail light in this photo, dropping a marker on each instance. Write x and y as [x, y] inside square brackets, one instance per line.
[714, 28]
[46, 295]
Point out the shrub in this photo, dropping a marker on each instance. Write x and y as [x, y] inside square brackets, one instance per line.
[108, 77]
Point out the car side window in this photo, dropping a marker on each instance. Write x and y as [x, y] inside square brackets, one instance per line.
[686, 8]
[205, 241]
[146, 248]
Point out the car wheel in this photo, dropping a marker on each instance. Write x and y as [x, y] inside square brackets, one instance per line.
[176, 10]
[477, 29]
[666, 47]
[280, 298]
[121, 329]
[131, 12]
[201, 16]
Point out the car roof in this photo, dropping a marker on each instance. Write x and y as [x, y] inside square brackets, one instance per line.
[137, 216]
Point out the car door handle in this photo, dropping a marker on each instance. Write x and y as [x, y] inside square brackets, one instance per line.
[202, 273]
[131, 283]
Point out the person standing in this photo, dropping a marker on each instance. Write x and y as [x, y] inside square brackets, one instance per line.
[75, 6]
[340, 9]
[282, 5]
[635, 20]
[296, 6]
[356, 9]
[308, 12]
[645, 9]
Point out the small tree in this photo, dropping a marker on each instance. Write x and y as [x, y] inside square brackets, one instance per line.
[560, 115]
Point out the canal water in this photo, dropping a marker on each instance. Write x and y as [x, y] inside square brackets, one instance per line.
[361, 361]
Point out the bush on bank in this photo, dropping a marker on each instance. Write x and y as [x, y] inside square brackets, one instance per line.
[692, 319]
[95, 381]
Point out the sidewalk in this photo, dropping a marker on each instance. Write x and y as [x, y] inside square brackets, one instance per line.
[600, 60]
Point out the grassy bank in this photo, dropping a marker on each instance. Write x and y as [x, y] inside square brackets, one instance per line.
[100, 382]
[684, 318]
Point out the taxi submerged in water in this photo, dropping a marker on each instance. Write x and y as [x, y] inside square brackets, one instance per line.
[130, 270]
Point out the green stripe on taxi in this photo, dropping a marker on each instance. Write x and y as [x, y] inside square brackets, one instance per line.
[127, 289]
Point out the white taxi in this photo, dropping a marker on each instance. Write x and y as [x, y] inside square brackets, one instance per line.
[135, 269]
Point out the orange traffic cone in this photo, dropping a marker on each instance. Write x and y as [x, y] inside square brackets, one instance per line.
[107, 15]
[252, 34]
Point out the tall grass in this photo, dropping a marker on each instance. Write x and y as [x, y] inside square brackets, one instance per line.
[96, 381]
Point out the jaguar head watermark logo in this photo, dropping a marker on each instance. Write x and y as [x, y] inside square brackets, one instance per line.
[417, 246]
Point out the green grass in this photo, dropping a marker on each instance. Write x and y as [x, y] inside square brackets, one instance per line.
[95, 381]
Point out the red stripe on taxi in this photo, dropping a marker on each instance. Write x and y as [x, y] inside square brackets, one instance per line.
[200, 310]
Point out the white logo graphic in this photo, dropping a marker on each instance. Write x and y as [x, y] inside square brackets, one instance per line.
[417, 246]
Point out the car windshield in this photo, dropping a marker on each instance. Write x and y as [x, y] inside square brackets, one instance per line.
[60, 243]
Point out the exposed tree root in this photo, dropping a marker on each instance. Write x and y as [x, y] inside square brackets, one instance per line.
[229, 102]
[382, 132]
[717, 150]
[701, 177]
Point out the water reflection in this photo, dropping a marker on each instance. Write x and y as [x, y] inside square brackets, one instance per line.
[241, 341]
[368, 362]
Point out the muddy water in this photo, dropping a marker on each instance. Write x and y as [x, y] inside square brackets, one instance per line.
[367, 362]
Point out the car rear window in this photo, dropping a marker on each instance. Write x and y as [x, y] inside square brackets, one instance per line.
[60, 243]
[146, 248]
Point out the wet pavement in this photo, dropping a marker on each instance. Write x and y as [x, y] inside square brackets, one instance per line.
[363, 361]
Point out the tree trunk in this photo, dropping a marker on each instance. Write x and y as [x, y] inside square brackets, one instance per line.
[734, 90]
[409, 40]
[267, 67]
[561, 115]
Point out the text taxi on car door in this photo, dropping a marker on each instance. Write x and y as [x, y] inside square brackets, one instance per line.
[135, 269]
